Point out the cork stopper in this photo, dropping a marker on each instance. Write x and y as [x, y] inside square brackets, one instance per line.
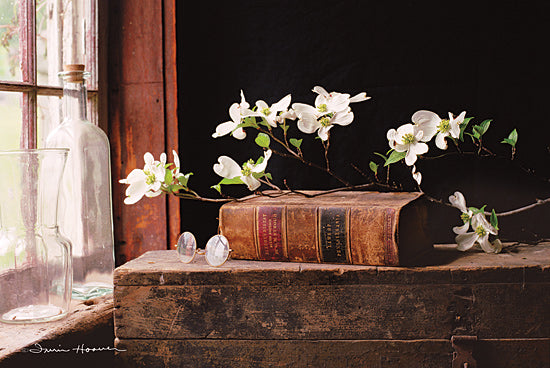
[73, 73]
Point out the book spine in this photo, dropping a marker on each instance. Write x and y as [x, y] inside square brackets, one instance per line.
[270, 233]
[333, 234]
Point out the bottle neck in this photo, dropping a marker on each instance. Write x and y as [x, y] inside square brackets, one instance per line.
[74, 100]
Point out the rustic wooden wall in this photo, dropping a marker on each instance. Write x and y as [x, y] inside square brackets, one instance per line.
[142, 117]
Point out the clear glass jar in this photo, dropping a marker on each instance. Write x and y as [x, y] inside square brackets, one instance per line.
[35, 260]
[85, 214]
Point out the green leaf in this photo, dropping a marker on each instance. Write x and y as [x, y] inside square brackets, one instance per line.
[268, 175]
[373, 167]
[264, 123]
[285, 127]
[485, 125]
[394, 157]
[217, 187]
[494, 219]
[296, 142]
[184, 179]
[475, 211]
[512, 138]
[463, 128]
[235, 180]
[168, 177]
[263, 140]
[381, 155]
[249, 121]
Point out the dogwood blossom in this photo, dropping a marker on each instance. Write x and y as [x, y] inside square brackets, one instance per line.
[248, 173]
[482, 228]
[330, 109]
[146, 182]
[335, 101]
[431, 124]
[457, 200]
[269, 113]
[237, 111]
[407, 138]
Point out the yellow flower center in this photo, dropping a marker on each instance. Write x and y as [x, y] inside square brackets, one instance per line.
[150, 177]
[444, 126]
[465, 217]
[324, 121]
[247, 168]
[322, 108]
[266, 111]
[480, 230]
[408, 138]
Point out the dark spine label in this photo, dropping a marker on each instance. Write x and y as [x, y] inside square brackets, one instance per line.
[270, 233]
[333, 235]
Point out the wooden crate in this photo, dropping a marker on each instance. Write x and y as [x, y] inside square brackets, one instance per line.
[271, 314]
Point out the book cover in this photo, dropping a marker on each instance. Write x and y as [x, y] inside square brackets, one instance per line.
[348, 227]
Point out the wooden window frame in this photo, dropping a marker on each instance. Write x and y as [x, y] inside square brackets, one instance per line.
[29, 87]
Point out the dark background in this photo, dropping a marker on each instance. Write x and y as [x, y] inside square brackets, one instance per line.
[408, 55]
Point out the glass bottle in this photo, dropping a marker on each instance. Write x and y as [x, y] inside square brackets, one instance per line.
[35, 260]
[85, 194]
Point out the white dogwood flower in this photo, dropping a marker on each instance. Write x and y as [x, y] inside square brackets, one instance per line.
[330, 109]
[237, 111]
[269, 113]
[457, 200]
[229, 169]
[407, 138]
[146, 182]
[431, 124]
[482, 229]
[335, 101]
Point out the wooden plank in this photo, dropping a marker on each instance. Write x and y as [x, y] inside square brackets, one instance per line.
[332, 311]
[136, 115]
[533, 353]
[529, 264]
[171, 109]
[83, 317]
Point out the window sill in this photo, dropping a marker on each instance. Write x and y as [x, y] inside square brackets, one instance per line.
[88, 325]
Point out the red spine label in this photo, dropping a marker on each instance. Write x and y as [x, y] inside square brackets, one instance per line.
[270, 233]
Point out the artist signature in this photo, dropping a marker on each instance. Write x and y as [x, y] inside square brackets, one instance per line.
[79, 349]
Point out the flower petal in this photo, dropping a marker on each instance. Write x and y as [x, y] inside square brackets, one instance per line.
[263, 165]
[486, 245]
[343, 118]
[239, 133]
[282, 104]
[308, 123]
[227, 167]
[418, 148]
[457, 200]
[224, 128]
[461, 229]
[417, 176]
[243, 105]
[440, 141]
[465, 241]
[251, 182]
[323, 132]
[148, 158]
[427, 121]
[321, 91]
[410, 157]
[301, 108]
[359, 97]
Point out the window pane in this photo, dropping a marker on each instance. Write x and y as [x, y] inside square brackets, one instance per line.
[61, 32]
[10, 121]
[10, 69]
[49, 116]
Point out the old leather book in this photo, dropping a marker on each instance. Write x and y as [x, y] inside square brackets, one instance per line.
[349, 227]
